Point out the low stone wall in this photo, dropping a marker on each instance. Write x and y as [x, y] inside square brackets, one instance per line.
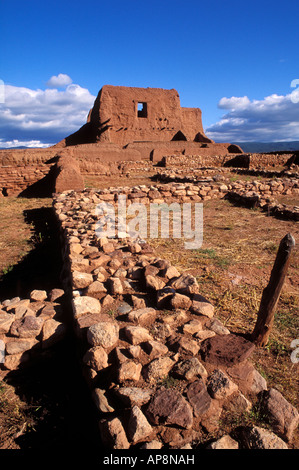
[252, 199]
[163, 371]
[195, 161]
[15, 179]
[290, 173]
[29, 327]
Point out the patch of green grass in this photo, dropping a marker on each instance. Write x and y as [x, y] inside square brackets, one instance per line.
[8, 269]
[210, 253]
[111, 313]
[168, 382]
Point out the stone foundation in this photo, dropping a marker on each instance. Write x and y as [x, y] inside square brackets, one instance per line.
[163, 371]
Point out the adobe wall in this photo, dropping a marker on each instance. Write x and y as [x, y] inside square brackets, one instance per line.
[259, 160]
[115, 114]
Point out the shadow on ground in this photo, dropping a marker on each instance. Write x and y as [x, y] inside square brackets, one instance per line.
[57, 401]
[41, 267]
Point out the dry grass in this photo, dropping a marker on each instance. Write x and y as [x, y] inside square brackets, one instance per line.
[15, 232]
[233, 267]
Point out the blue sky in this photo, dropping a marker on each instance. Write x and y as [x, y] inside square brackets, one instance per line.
[235, 60]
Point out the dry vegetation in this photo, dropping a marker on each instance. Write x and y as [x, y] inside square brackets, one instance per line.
[233, 267]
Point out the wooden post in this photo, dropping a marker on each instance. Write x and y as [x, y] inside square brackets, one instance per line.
[271, 293]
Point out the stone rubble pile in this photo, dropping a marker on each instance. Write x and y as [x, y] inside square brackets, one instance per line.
[163, 371]
[30, 326]
[253, 199]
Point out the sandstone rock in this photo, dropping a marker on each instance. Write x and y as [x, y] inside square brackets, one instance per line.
[164, 296]
[85, 321]
[284, 417]
[100, 277]
[210, 420]
[115, 286]
[131, 396]
[226, 350]
[103, 334]
[179, 316]
[258, 438]
[129, 370]
[95, 288]
[10, 303]
[242, 374]
[154, 282]
[56, 294]
[13, 361]
[186, 345]
[202, 308]
[219, 385]
[204, 334]
[28, 327]
[96, 358]
[259, 384]
[21, 310]
[158, 369]
[138, 426]
[137, 334]
[192, 327]
[52, 332]
[138, 302]
[225, 442]
[185, 284]
[134, 351]
[107, 300]
[143, 316]
[178, 301]
[155, 349]
[85, 304]
[14, 306]
[199, 398]
[108, 247]
[237, 403]
[101, 402]
[189, 368]
[218, 327]
[81, 280]
[169, 407]
[47, 312]
[38, 295]
[151, 270]
[152, 445]
[113, 434]
[170, 272]
[6, 321]
[16, 346]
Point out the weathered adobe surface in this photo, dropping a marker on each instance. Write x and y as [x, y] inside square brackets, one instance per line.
[116, 117]
[142, 326]
[143, 123]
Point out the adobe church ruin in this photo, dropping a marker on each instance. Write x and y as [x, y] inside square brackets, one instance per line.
[126, 126]
[145, 123]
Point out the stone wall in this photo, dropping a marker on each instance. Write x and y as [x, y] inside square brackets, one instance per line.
[15, 179]
[29, 327]
[162, 369]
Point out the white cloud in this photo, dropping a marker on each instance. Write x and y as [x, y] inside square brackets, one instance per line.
[28, 143]
[44, 116]
[274, 118]
[59, 81]
[234, 102]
